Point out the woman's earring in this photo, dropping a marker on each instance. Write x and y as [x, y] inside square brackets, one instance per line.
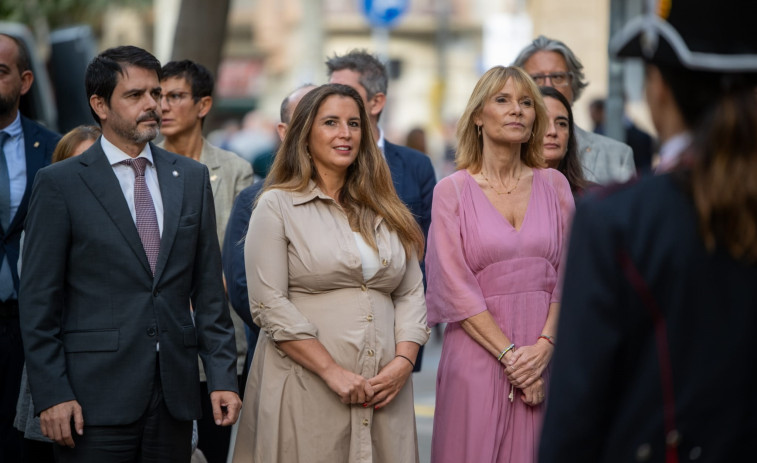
[478, 128]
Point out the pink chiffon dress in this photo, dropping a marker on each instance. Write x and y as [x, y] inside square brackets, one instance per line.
[476, 261]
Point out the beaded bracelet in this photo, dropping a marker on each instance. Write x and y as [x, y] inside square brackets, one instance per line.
[507, 349]
[406, 358]
[549, 339]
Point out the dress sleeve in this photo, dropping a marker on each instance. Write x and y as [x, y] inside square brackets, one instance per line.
[453, 293]
[410, 305]
[567, 209]
[267, 268]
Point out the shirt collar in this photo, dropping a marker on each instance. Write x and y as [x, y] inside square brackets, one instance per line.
[115, 155]
[14, 129]
[380, 141]
[671, 150]
[310, 193]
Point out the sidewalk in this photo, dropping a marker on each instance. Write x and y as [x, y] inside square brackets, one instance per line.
[424, 385]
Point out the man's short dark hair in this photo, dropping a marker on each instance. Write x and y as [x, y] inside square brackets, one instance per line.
[373, 75]
[103, 71]
[197, 75]
[23, 62]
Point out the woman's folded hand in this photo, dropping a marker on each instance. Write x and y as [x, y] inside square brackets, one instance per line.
[350, 387]
[389, 381]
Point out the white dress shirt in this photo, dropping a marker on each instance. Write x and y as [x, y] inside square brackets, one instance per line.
[671, 150]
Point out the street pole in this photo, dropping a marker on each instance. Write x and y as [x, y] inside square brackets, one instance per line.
[614, 104]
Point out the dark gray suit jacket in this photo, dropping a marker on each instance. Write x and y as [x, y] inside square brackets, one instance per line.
[91, 310]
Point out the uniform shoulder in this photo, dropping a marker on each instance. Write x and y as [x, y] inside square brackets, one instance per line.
[636, 198]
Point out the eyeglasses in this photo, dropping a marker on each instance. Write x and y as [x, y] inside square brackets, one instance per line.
[558, 79]
[174, 98]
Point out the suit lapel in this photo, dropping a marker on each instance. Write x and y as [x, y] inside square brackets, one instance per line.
[34, 151]
[396, 165]
[209, 158]
[171, 180]
[103, 183]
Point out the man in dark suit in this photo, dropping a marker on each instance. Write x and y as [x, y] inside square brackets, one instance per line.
[412, 172]
[119, 243]
[236, 230]
[25, 147]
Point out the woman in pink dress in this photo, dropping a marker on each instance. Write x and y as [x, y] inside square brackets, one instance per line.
[497, 235]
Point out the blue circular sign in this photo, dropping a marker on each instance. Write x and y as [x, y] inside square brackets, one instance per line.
[384, 13]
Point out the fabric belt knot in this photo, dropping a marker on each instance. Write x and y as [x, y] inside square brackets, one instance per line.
[147, 219]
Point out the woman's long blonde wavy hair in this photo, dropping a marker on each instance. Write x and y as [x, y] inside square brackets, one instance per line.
[368, 191]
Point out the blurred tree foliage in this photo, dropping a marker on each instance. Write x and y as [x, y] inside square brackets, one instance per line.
[58, 13]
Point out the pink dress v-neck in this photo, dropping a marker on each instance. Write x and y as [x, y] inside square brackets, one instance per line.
[476, 261]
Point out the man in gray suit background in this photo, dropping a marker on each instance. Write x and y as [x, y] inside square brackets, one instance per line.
[186, 101]
[119, 241]
[550, 62]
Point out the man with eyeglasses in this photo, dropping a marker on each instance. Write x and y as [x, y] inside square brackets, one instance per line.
[186, 100]
[551, 63]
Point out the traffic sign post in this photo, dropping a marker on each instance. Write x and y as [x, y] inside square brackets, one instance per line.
[384, 13]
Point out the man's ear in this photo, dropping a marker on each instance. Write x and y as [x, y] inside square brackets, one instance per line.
[99, 106]
[27, 79]
[376, 104]
[206, 103]
[281, 129]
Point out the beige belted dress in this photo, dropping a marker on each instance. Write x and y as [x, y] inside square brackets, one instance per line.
[305, 281]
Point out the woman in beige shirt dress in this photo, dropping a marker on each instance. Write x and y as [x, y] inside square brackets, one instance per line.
[332, 266]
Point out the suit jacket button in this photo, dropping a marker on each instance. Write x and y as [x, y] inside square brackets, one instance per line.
[155, 293]
[151, 331]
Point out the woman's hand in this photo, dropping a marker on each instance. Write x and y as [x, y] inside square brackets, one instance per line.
[533, 394]
[350, 387]
[528, 363]
[389, 381]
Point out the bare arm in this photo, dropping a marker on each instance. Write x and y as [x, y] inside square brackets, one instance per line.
[485, 331]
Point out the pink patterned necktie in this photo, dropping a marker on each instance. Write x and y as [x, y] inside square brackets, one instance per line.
[147, 220]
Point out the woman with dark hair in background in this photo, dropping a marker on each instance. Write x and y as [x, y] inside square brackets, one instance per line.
[657, 350]
[560, 146]
[335, 285]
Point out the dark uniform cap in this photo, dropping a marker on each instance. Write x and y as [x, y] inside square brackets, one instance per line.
[700, 35]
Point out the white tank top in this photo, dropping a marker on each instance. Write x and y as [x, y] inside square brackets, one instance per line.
[368, 256]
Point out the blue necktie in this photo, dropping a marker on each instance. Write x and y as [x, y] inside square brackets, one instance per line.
[5, 185]
[6, 278]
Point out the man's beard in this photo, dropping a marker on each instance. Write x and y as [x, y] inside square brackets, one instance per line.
[8, 104]
[134, 134]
